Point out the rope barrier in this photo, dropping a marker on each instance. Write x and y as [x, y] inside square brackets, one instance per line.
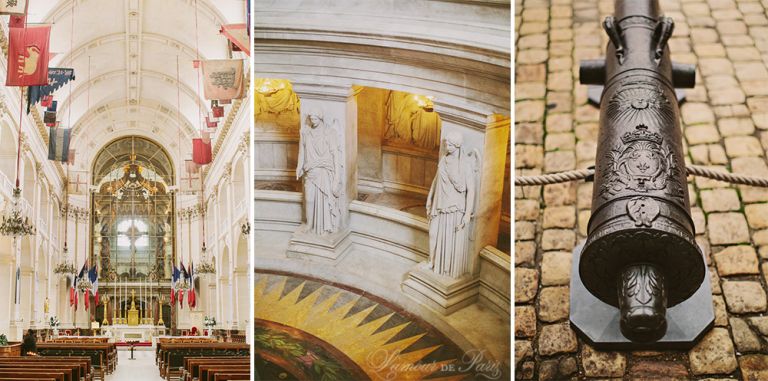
[693, 170]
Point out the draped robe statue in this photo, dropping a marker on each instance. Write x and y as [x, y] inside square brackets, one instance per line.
[320, 167]
[450, 208]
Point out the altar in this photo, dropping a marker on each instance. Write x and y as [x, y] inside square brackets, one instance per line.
[124, 332]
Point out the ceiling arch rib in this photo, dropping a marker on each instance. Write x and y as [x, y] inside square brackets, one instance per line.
[82, 88]
[108, 114]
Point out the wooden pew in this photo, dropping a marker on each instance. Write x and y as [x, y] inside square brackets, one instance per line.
[83, 362]
[207, 372]
[102, 355]
[172, 356]
[71, 371]
[25, 374]
[192, 364]
[82, 365]
[231, 376]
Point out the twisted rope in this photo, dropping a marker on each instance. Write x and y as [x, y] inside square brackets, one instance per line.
[694, 170]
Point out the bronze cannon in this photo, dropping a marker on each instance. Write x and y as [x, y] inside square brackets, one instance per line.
[640, 259]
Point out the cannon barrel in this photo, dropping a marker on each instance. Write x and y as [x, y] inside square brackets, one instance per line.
[640, 255]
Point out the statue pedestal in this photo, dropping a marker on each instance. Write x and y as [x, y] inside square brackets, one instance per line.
[330, 246]
[442, 293]
[598, 322]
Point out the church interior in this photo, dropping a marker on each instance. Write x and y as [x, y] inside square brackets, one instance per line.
[125, 188]
[382, 188]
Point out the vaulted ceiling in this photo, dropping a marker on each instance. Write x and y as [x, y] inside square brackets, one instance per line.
[125, 55]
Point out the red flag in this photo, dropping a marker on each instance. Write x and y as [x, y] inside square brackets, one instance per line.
[238, 34]
[191, 298]
[28, 56]
[181, 298]
[210, 123]
[86, 300]
[201, 152]
[173, 297]
[47, 101]
[17, 21]
[72, 296]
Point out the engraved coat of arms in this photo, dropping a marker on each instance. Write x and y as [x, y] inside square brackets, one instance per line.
[641, 164]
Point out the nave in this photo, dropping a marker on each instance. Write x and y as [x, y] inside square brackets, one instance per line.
[124, 180]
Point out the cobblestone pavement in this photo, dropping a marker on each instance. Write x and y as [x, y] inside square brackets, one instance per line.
[725, 123]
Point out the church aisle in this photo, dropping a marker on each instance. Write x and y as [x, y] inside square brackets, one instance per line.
[143, 368]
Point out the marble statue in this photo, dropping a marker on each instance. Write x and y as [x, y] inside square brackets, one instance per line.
[410, 120]
[450, 208]
[320, 167]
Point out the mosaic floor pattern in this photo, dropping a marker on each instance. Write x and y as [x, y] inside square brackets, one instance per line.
[308, 330]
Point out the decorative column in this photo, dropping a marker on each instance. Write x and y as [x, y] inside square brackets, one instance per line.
[329, 126]
[470, 169]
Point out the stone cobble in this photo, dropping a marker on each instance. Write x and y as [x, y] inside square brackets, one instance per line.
[725, 126]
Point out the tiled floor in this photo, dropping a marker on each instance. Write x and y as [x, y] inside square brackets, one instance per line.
[142, 368]
[354, 326]
[724, 125]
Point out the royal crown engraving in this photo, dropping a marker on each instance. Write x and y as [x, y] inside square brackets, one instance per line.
[643, 163]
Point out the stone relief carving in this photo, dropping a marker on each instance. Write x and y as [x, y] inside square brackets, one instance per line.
[320, 167]
[411, 120]
[642, 163]
[642, 300]
[276, 104]
[643, 210]
[77, 213]
[450, 209]
[244, 142]
[639, 102]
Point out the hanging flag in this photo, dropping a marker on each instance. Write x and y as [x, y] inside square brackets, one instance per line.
[216, 110]
[13, 7]
[191, 297]
[28, 56]
[183, 276]
[223, 79]
[93, 275]
[17, 21]
[71, 157]
[191, 166]
[58, 144]
[57, 77]
[174, 279]
[46, 101]
[49, 118]
[80, 276]
[201, 151]
[210, 123]
[72, 293]
[238, 35]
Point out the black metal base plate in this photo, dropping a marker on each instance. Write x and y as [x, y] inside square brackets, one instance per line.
[598, 322]
[594, 93]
